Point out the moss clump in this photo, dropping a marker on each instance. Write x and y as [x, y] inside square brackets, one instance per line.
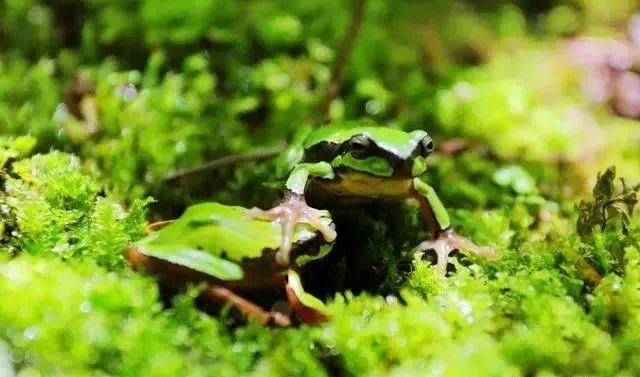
[51, 207]
[90, 321]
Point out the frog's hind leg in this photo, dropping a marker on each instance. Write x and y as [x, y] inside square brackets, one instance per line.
[308, 309]
[214, 293]
[251, 310]
[157, 226]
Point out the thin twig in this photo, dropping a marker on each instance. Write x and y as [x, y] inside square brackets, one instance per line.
[256, 155]
[339, 65]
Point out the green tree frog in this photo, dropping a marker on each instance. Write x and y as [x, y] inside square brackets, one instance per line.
[220, 246]
[356, 160]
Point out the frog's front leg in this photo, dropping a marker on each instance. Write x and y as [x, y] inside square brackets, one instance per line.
[445, 239]
[293, 209]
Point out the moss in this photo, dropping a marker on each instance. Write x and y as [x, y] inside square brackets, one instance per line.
[100, 101]
[52, 207]
[90, 321]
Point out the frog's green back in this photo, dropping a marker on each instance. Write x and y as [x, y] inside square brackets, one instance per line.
[395, 141]
[211, 237]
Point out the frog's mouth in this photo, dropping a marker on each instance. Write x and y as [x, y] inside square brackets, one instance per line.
[356, 184]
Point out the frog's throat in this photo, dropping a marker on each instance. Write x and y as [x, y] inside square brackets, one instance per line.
[365, 185]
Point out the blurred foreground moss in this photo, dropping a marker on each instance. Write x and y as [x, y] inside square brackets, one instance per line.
[89, 321]
[520, 320]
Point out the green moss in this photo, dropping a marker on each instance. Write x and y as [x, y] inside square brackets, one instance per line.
[53, 207]
[101, 100]
[90, 321]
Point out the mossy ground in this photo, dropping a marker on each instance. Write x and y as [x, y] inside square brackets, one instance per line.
[100, 101]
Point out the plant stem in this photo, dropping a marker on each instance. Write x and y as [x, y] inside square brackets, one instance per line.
[339, 65]
[256, 155]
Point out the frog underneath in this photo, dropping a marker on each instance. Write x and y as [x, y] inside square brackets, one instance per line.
[232, 255]
[356, 160]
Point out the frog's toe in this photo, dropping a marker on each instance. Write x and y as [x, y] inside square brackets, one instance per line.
[282, 255]
[449, 241]
[268, 215]
[291, 211]
[442, 250]
[280, 319]
[314, 218]
[465, 244]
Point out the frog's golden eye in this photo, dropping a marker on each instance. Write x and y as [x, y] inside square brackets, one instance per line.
[359, 145]
[427, 146]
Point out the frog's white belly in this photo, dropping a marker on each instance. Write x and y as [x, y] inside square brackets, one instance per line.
[364, 185]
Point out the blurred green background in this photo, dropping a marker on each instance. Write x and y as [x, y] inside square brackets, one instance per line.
[101, 101]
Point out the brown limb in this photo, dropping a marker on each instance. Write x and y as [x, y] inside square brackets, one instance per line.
[256, 155]
[140, 261]
[339, 65]
[304, 313]
[428, 216]
[157, 226]
[251, 310]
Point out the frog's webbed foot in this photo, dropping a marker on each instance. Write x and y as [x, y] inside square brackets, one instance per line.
[291, 211]
[449, 241]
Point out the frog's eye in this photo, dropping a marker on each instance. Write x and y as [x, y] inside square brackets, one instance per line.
[427, 146]
[359, 145]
